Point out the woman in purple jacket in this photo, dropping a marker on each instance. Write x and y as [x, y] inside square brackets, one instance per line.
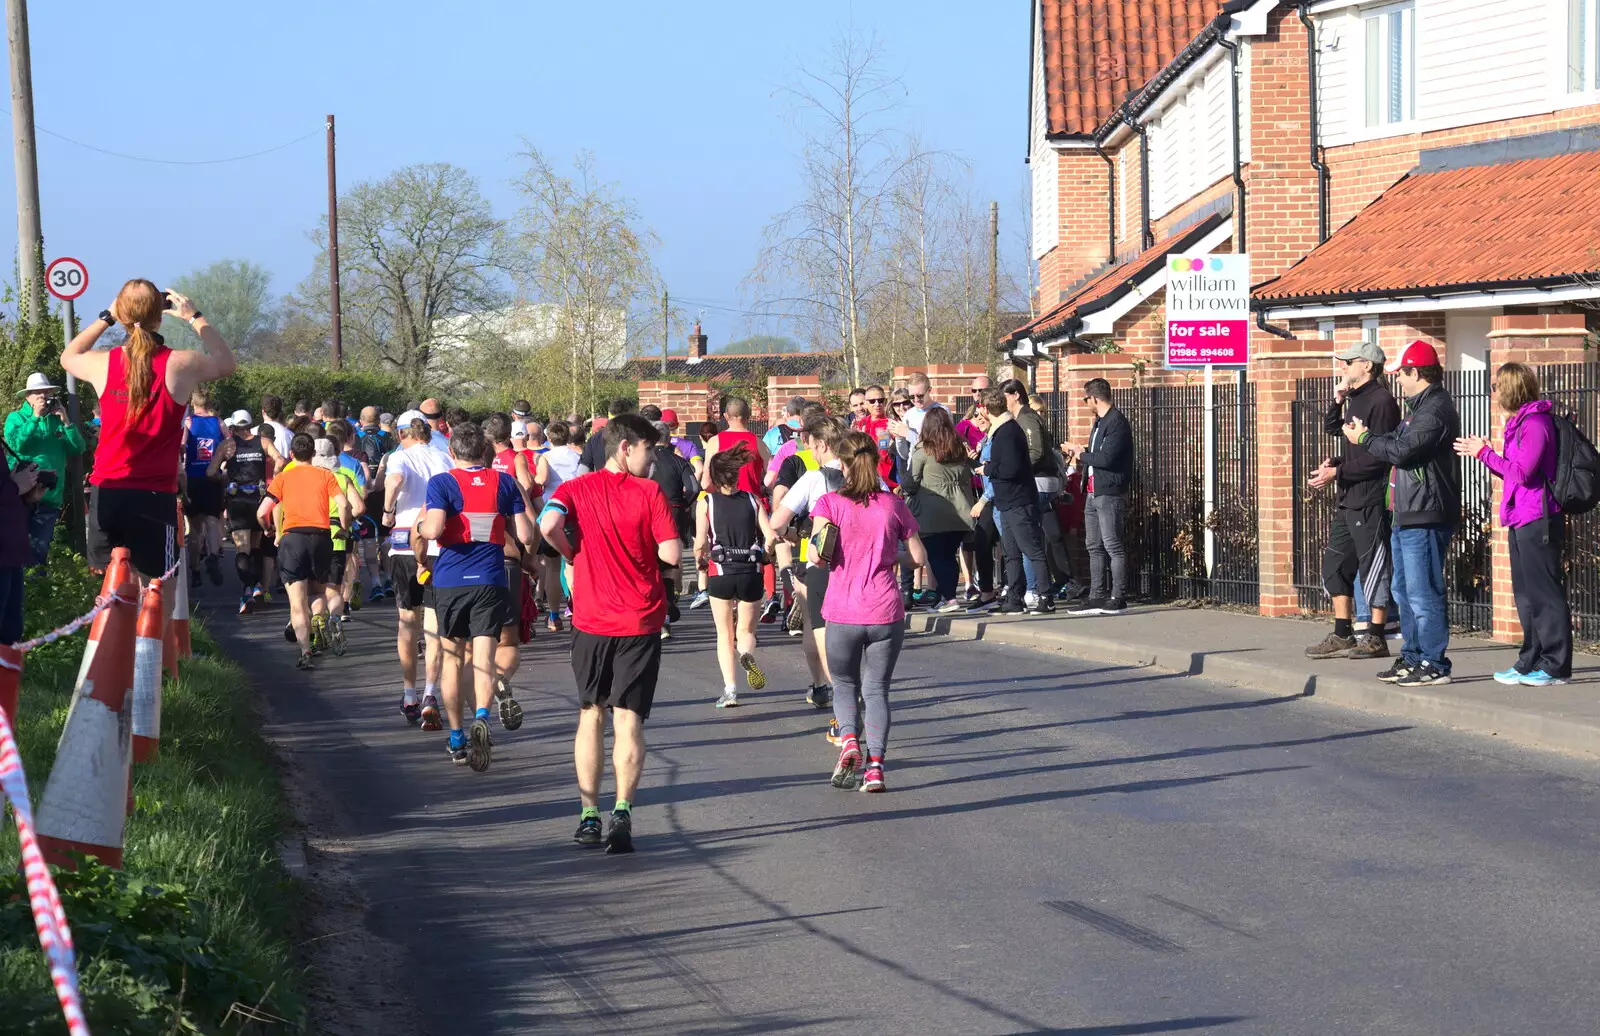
[1534, 527]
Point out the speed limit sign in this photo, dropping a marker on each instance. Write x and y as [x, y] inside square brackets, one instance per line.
[66, 278]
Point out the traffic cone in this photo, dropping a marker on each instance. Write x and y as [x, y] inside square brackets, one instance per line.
[10, 681]
[120, 571]
[176, 643]
[147, 675]
[81, 810]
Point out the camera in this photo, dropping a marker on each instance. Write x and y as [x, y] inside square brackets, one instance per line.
[166, 300]
[52, 404]
[47, 479]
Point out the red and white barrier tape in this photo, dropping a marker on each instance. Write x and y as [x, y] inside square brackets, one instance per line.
[55, 938]
[100, 604]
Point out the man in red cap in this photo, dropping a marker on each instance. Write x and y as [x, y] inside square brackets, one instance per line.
[1425, 500]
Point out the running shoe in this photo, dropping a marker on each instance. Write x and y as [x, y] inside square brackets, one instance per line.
[666, 632]
[1425, 675]
[872, 779]
[832, 734]
[752, 672]
[701, 599]
[333, 636]
[319, 633]
[844, 773]
[1093, 606]
[820, 696]
[1010, 607]
[478, 745]
[412, 711]
[355, 597]
[388, 591]
[246, 606]
[729, 699]
[259, 596]
[510, 711]
[214, 569]
[458, 750]
[1036, 604]
[430, 714]
[304, 661]
[589, 832]
[552, 624]
[949, 607]
[1510, 677]
[795, 624]
[926, 597]
[1397, 671]
[980, 606]
[288, 631]
[770, 614]
[1537, 678]
[620, 838]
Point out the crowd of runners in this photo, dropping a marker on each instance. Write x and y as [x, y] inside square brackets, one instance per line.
[829, 527]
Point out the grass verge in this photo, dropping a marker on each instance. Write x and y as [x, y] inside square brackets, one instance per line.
[196, 935]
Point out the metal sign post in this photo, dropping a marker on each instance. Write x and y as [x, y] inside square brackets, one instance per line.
[67, 279]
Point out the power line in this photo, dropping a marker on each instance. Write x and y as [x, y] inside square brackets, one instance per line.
[178, 161]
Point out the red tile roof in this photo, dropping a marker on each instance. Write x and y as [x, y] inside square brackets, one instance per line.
[1097, 52]
[1097, 292]
[1521, 221]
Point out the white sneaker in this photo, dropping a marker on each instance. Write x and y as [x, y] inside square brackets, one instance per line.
[729, 699]
[949, 606]
[701, 599]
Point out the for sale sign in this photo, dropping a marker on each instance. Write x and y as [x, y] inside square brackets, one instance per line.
[1208, 310]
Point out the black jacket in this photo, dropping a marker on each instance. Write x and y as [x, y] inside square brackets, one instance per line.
[1425, 486]
[1110, 454]
[676, 477]
[1010, 469]
[1363, 477]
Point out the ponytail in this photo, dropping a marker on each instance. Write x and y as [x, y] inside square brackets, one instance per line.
[859, 456]
[139, 306]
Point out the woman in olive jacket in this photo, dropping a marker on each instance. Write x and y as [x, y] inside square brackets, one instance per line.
[938, 488]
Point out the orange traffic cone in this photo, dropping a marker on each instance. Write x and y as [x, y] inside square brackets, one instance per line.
[120, 571]
[81, 810]
[146, 700]
[10, 681]
[176, 644]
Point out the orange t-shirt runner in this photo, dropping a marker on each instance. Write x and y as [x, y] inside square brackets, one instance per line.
[304, 493]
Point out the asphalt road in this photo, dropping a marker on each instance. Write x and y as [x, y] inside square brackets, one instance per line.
[1065, 847]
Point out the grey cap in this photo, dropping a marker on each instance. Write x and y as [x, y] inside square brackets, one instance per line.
[1363, 351]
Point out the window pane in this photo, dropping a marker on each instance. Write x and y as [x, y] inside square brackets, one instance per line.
[1577, 45]
[1374, 70]
[1397, 66]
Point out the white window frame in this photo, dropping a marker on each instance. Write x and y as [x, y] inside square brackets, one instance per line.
[1325, 329]
[1369, 330]
[1384, 103]
[1580, 46]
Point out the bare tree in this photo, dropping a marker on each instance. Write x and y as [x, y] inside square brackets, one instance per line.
[419, 247]
[583, 249]
[817, 255]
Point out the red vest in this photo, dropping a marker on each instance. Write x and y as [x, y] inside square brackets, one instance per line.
[479, 520]
[143, 450]
[505, 462]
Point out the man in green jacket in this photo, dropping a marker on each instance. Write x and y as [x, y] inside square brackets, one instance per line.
[39, 432]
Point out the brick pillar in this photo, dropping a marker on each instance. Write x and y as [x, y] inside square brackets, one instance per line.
[1277, 364]
[780, 389]
[1279, 182]
[1534, 339]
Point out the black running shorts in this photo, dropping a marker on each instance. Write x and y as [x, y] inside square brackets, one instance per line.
[816, 580]
[409, 594]
[746, 586]
[341, 561]
[239, 512]
[305, 554]
[472, 611]
[205, 498]
[143, 520]
[619, 672]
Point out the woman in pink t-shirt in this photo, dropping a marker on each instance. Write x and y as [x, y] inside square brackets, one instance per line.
[863, 609]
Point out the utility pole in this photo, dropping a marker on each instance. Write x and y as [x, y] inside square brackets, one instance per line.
[994, 270]
[333, 254]
[30, 238]
[666, 330]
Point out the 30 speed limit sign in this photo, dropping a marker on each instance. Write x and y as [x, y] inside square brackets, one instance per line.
[66, 278]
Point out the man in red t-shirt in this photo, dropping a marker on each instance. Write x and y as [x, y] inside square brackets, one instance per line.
[616, 530]
[875, 424]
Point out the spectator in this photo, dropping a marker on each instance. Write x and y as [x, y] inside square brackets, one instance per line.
[40, 434]
[594, 448]
[14, 551]
[858, 404]
[134, 502]
[1358, 542]
[787, 429]
[1425, 498]
[433, 413]
[708, 431]
[985, 534]
[938, 488]
[1016, 503]
[920, 392]
[1107, 465]
[1534, 525]
[980, 385]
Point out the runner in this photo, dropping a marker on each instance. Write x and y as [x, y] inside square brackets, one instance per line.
[352, 462]
[244, 466]
[863, 610]
[733, 541]
[783, 471]
[752, 478]
[298, 503]
[377, 440]
[619, 602]
[202, 435]
[508, 653]
[681, 486]
[821, 474]
[405, 491]
[328, 614]
[557, 466]
[467, 513]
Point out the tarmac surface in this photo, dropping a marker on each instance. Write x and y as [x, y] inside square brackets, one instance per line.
[1066, 846]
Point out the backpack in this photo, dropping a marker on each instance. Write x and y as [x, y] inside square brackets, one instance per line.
[1576, 486]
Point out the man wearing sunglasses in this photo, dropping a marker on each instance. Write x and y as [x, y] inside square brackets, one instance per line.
[875, 423]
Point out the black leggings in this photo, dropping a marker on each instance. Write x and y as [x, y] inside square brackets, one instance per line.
[985, 538]
[942, 550]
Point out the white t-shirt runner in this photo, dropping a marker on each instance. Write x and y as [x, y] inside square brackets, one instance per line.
[415, 464]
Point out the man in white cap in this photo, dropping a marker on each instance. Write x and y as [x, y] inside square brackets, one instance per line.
[405, 490]
[245, 464]
[39, 433]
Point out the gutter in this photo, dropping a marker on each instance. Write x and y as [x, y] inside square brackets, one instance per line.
[1316, 133]
[1239, 220]
[1261, 322]
[1147, 238]
[1422, 292]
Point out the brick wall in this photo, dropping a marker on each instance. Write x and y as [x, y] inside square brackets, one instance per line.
[1280, 185]
[1084, 180]
[694, 401]
[950, 383]
[1277, 363]
[781, 389]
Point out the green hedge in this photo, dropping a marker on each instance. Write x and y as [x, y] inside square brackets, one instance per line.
[291, 382]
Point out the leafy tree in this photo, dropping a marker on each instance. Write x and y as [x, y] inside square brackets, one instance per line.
[236, 296]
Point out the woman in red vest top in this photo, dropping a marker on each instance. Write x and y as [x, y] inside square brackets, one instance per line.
[133, 501]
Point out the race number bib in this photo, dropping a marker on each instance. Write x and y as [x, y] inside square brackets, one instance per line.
[204, 448]
[400, 539]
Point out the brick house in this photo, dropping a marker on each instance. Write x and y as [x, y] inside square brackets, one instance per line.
[1400, 170]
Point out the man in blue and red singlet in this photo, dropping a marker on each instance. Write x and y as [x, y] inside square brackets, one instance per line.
[466, 512]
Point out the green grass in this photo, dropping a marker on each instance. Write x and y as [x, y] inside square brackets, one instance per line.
[203, 917]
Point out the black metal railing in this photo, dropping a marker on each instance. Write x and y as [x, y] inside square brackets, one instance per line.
[1313, 509]
[1234, 520]
[1575, 389]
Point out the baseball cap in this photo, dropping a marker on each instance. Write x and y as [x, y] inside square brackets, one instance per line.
[241, 417]
[1417, 354]
[1363, 351]
[519, 429]
[405, 419]
[669, 417]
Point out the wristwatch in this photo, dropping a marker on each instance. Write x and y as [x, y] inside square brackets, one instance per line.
[197, 316]
[105, 314]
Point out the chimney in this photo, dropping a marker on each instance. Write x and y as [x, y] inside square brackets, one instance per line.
[697, 344]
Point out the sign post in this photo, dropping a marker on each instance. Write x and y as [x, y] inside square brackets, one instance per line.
[1208, 326]
[67, 279]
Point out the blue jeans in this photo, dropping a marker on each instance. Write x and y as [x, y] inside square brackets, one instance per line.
[1419, 553]
[42, 519]
[1030, 573]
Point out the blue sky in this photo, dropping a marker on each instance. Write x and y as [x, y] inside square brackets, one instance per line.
[680, 103]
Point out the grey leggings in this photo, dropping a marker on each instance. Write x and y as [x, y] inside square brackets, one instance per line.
[862, 660]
